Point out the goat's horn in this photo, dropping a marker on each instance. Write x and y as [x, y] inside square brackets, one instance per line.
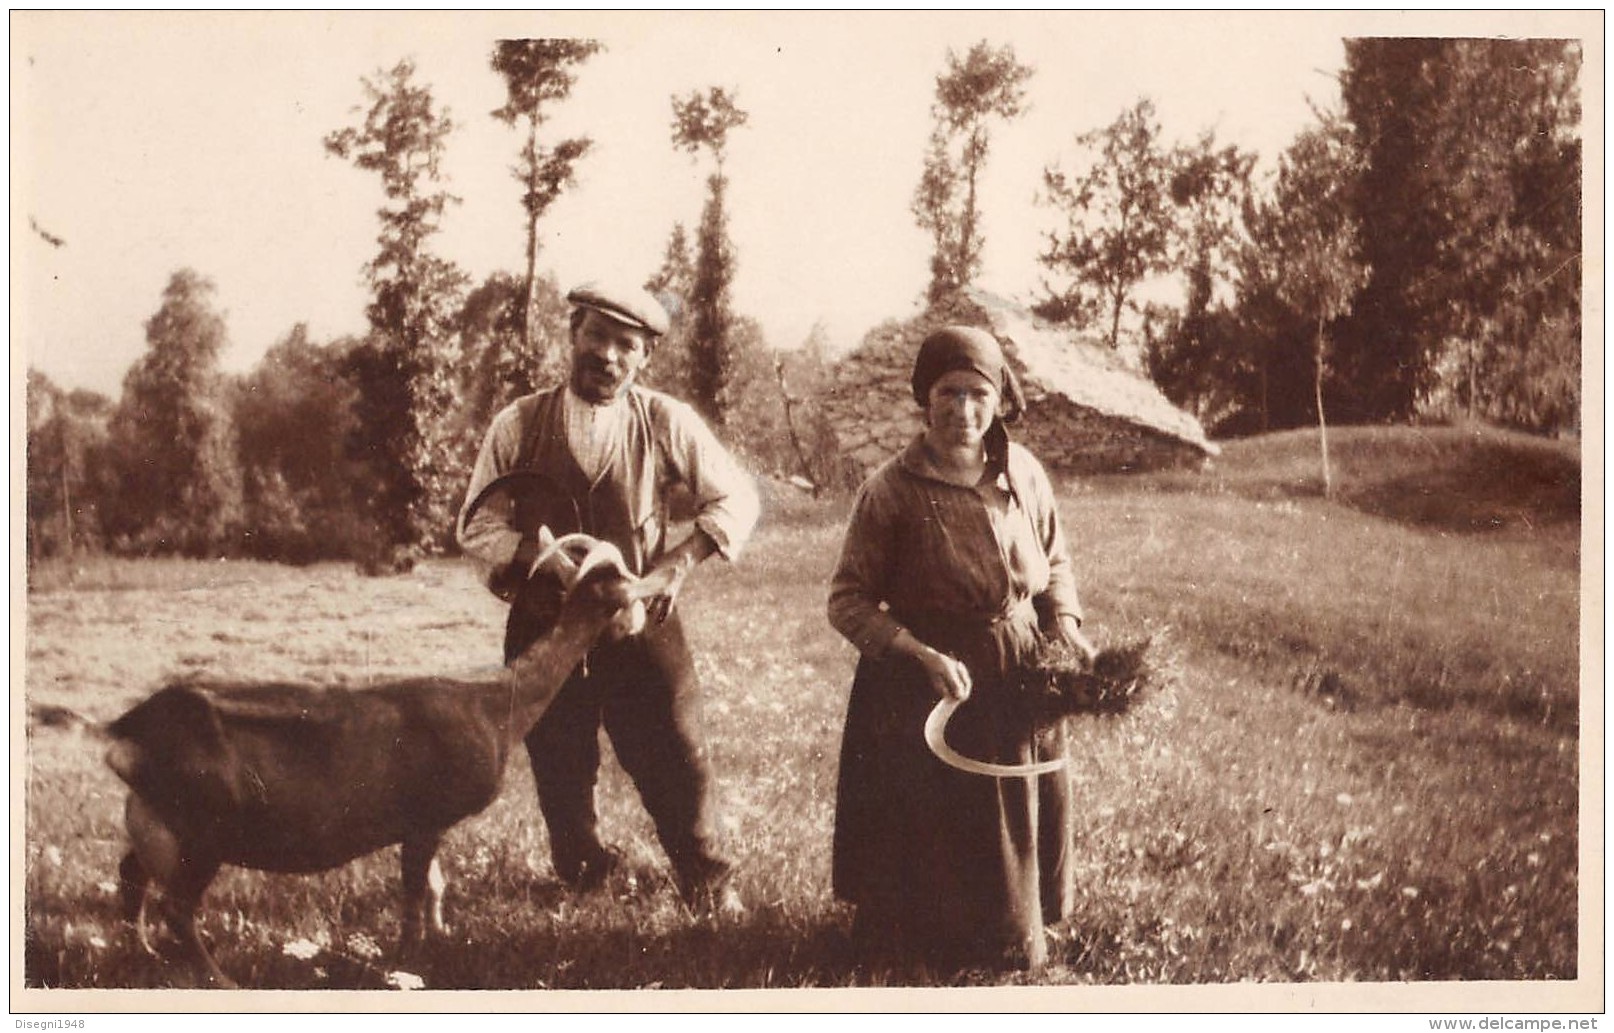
[603, 554]
[936, 739]
[567, 543]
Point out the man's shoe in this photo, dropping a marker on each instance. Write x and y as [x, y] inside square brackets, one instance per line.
[592, 872]
[715, 899]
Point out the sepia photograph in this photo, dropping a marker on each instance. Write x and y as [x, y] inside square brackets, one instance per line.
[904, 511]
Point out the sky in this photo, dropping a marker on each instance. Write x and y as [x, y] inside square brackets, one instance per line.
[151, 142]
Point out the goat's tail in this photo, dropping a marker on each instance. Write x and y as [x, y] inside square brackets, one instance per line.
[125, 759]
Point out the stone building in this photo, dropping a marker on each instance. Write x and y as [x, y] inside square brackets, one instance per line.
[1085, 411]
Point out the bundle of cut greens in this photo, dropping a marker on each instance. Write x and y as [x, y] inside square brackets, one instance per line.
[1060, 683]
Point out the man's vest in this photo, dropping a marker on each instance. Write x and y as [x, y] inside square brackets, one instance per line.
[625, 506]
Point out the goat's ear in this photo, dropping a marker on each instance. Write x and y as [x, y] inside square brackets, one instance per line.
[533, 612]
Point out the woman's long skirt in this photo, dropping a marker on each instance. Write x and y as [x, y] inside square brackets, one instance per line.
[943, 865]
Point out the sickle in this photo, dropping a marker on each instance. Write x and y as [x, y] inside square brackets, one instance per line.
[494, 485]
[935, 738]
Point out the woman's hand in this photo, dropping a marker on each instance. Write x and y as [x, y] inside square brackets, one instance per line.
[948, 677]
[1071, 631]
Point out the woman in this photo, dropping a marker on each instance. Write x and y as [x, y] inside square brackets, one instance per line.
[954, 571]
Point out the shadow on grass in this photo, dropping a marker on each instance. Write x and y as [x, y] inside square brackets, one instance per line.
[642, 946]
[1461, 480]
[760, 951]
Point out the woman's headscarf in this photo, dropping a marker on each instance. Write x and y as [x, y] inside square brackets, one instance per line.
[954, 348]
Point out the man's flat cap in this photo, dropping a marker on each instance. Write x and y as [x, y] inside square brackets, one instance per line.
[632, 306]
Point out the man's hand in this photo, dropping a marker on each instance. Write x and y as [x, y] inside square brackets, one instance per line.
[669, 574]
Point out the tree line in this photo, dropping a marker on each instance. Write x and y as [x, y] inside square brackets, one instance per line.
[1414, 255]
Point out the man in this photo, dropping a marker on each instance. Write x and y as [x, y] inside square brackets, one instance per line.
[609, 455]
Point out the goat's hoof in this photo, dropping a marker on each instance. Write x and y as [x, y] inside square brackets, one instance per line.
[220, 981]
[137, 932]
[196, 977]
[716, 903]
[592, 873]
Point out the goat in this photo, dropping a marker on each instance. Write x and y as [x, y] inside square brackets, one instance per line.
[304, 778]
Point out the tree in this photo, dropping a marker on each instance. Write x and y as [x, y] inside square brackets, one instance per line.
[177, 480]
[66, 476]
[989, 82]
[1509, 265]
[674, 284]
[1305, 244]
[1119, 225]
[702, 121]
[539, 72]
[1207, 186]
[1193, 360]
[496, 365]
[1470, 209]
[1385, 351]
[405, 370]
[293, 413]
[803, 376]
[676, 276]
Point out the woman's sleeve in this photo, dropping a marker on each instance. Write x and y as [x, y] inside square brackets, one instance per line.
[1060, 598]
[859, 584]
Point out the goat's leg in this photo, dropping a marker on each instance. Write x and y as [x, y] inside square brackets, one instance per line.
[133, 892]
[184, 897]
[154, 853]
[423, 884]
[436, 882]
[157, 853]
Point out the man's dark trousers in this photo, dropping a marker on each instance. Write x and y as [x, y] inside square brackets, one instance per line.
[643, 690]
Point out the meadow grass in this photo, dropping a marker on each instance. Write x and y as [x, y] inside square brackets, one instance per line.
[1362, 767]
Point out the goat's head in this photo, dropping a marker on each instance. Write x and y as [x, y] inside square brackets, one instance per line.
[580, 571]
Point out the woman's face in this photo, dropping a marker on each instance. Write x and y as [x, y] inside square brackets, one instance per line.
[962, 406]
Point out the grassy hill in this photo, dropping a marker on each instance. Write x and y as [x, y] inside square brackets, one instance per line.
[1458, 479]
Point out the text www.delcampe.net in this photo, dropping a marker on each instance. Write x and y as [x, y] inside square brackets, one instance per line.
[1492, 1023]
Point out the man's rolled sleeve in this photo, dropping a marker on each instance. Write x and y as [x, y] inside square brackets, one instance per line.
[490, 536]
[726, 497]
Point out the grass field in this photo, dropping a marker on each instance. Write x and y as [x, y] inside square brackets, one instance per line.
[1364, 767]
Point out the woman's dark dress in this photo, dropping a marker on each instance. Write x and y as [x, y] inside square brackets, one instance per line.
[942, 864]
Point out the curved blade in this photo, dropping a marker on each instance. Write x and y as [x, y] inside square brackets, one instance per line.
[935, 738]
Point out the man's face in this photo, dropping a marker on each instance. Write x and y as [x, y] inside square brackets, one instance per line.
[606, 357]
